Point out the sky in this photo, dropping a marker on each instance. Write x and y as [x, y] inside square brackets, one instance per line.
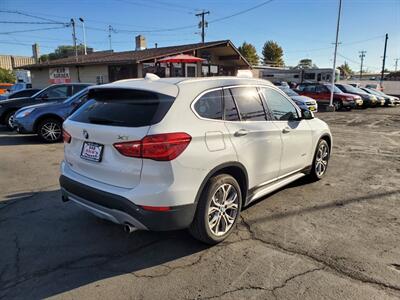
[303, 28]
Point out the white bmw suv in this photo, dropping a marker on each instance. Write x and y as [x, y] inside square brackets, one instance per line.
[173, 153]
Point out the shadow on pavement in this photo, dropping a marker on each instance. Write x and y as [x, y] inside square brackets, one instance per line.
[49, 247]
[12, 138]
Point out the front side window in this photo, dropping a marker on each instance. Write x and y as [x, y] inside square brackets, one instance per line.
[309, 88]
[249, 103]
[209, 105]
[281, 108]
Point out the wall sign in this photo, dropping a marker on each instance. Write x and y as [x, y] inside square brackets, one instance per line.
[59, 75]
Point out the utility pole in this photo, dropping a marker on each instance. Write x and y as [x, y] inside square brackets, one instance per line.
[334, 56]
[362, 55]
[74, 38]
[384, 57]
[396, 61]
[110, 30]
[202, 24]
[84, 34]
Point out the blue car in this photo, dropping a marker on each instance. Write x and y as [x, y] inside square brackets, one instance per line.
[46, 119]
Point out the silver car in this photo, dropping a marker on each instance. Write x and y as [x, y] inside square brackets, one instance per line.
[303, 102]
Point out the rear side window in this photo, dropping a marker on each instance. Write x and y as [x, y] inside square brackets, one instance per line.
[231, 112]
[123, 107]
[249, 103]
[209, 105]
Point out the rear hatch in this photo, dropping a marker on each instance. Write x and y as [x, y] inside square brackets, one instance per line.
[112, 115]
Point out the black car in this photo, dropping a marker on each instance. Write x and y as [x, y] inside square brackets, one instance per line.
[19, 94]
[368, 99]
[53, 93]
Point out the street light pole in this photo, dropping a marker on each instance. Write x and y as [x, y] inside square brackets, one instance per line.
[84, 34]
[74, 38]
[334, 56]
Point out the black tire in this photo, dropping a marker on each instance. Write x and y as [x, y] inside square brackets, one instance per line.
[200, 228]
[45, 132]
[7, 121]
[337, 104]
[314, 174]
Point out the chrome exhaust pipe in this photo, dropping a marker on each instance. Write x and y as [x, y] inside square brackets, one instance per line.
[128, 228]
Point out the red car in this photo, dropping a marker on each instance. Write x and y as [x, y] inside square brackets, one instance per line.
[322, 93]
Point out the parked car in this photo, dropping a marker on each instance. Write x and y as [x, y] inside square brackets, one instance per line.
[376, 86]
[46, 119]
[357, 85]
[393, 100]
[281, 83]
[172, 153]
[20, 86]
[368, 100]
[321, 92]
[5, 87]
[53, 93]
[19, 94]
[384, 101]
[303, 102]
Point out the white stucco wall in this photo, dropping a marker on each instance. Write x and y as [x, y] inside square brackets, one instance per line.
[87, 74]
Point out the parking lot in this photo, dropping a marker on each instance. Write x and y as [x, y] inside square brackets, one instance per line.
[337, 238]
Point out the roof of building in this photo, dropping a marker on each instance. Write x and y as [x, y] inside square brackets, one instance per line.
[102, 57]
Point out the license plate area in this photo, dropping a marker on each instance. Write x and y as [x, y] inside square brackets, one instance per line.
[92, 151]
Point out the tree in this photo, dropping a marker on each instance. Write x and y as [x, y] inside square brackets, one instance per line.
[272, 54]
[345, 69]
[62, 52]
[306, 63]
[249, 52]
[6, 76]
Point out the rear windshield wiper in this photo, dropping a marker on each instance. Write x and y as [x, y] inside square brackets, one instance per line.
[96, 120]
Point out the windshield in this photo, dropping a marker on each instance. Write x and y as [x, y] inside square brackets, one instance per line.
[123, 107]
[352, 89]
[76, 96]
[288, 91]
[37, 94]
[336, 90]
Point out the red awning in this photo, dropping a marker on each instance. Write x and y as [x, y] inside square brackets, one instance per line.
[181, 58]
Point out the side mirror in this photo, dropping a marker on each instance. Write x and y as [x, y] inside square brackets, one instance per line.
[307, 114]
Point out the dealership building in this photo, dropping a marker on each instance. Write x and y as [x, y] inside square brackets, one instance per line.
[218, 58]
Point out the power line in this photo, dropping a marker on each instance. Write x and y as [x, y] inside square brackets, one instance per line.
[30, 30]
[32, 16]
[18, 22]
[241, 12]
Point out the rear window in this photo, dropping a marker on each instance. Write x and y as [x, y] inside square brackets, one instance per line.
[123, 107]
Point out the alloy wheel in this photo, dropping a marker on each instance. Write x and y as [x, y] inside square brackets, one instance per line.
[321, 161]
[10, 121]
[51, 131]
[223, 209]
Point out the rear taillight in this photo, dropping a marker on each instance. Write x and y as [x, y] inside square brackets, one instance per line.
[156, 208]
[162, 147]
[66, 137]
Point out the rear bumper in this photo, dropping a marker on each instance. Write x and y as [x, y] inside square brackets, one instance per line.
[121, 210]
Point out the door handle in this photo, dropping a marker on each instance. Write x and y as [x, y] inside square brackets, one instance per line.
[241, 132]
[286, 130]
